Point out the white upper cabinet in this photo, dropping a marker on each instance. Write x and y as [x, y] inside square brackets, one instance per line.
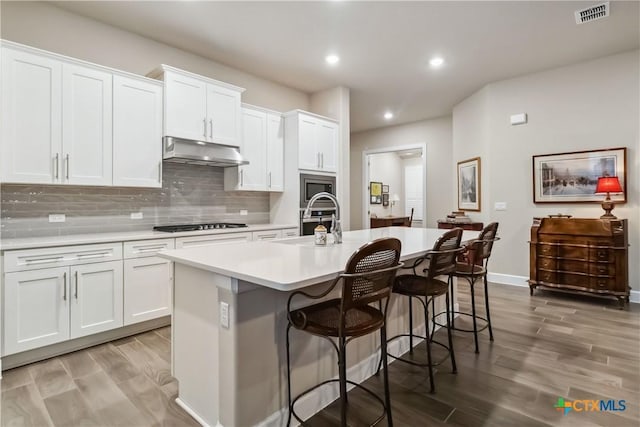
[199, 108]
[58, 122]
[86, 125]
[317, 141]
[31, 145]
[137, 133]
[262, 145]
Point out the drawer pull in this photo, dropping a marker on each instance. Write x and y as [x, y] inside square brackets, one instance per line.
[94, 255]
[76, 293]
[64, 287]
[43, 260]
[149, 248]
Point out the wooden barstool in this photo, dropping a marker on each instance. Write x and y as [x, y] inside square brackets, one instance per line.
[368, 278]
[440, 261]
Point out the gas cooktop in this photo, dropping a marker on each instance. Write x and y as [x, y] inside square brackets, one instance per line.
[196, 227]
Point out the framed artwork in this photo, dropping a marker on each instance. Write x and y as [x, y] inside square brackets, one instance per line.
[572, 177]
[375, 190]
[469, 185]
[385, 199]
[385, 189]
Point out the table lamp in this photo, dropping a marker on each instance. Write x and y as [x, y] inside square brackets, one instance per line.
[394, 199]
[608, 184]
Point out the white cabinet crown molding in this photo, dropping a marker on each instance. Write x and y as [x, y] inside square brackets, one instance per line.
[71, 60]
[308, 113]
[157, 73]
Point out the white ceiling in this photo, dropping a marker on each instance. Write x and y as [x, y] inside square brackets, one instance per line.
[384, 47]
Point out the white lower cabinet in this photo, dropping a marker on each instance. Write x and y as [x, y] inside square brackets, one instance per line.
[96, 298]
[267, 235]
[36, 309]
[148, 280]
[47, 306]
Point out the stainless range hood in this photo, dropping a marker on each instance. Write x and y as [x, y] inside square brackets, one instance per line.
[179, 150]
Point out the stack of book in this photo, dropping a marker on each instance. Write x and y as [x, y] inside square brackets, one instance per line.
[458, 217]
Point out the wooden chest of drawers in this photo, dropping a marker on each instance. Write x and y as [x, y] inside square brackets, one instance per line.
[580, 255]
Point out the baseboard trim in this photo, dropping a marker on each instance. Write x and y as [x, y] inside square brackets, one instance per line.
[508, 279]
[193, 414]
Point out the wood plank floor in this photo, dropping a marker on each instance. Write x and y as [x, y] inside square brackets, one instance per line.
[546, 346]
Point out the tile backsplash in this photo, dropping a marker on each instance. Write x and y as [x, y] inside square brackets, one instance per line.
[189, 194]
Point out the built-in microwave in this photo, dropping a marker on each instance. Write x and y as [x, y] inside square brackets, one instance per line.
[314, 184]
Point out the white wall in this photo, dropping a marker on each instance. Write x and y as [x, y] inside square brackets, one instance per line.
[47, 27]
[436, 134]
[387, 168]
[585, 106]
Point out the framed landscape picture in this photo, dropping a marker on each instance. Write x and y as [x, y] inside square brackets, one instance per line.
[469, 185]
[572, 177]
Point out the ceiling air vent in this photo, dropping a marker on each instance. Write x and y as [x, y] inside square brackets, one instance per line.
[592, 13]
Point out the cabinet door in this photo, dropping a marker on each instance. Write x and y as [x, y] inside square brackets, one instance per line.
[137, 133]
[36, 309]
[148, 284]
[254, 145]
[31, 118]
[327, 145]
[86, 125]
[275, 153]
[185, 107]
[308, 155]
[223, 115]
[96, 298]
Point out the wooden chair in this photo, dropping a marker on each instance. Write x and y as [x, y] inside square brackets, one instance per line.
[368, 278]
[408, 221]
[440, 261]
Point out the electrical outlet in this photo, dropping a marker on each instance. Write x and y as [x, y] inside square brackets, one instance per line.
[224, 314]
[244, 212]
[136, 215]
[57, 218]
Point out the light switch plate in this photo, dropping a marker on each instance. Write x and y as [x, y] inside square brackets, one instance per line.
[501, 206]
[57, 218]
[518, 119]
[137, 215]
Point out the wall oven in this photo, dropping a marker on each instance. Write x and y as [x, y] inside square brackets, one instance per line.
[307, 225]
[313, 184]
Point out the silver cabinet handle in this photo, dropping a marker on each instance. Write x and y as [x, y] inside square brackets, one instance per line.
[57, 165]
[322, 160]
[318, 155]
[269, 179]
[204, 121]
[241, 178]
[211, 128]
[64, 288]
[43, 260]
[76, 293]
[67, 166]
[160, 172]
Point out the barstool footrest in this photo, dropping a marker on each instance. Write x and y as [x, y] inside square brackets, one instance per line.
[411, 362]
[455, 328]
[334, 380]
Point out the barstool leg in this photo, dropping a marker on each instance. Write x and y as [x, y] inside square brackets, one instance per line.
[452, 303]
[342, 365]
[473, 312]
[387, 396]
[288, 377]
[433, 318]
[450, 337]
[486, 306]
[426, 321]
[411, 326]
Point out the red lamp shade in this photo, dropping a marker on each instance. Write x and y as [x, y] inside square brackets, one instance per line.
[608, 184]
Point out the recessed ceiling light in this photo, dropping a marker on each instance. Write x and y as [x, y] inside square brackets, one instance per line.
[332, 59]
[388, 115]
[436, 62]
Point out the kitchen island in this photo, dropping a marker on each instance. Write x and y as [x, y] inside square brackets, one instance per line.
[229, 322]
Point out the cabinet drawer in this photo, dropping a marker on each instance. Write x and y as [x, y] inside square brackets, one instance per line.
[573, 252]
[547, 250]
[290, 232]
[573, 266]
[604, 284]
[547, 276]
[602, 269]
[212, 239]
[31, 259]
[147, 248]
[267, 235]
[601, 254]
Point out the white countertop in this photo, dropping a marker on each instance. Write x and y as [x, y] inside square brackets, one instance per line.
[125, 236]
[289, 264]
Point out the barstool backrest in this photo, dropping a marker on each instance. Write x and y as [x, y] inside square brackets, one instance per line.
[442, 258]
[370, 271]
[488, 236]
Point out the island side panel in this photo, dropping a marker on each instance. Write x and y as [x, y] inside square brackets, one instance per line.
[195, 326]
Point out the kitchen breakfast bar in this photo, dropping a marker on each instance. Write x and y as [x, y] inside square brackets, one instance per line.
[229, 324]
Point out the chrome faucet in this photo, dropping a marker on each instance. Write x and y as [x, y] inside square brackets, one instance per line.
[336, 229]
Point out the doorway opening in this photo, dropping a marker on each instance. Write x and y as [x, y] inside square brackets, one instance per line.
[394, 184]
